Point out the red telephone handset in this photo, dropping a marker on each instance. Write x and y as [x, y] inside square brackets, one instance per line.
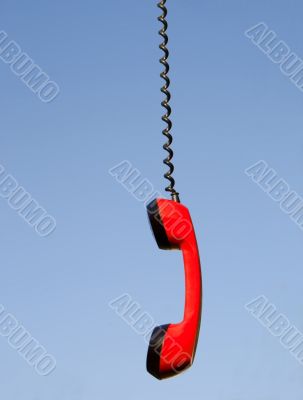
[172, 347]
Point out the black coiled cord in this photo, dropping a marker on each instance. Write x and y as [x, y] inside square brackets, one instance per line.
[165, 104]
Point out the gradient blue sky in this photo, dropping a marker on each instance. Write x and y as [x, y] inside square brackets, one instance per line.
[231, 108]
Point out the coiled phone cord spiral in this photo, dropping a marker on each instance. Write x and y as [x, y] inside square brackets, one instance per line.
[165, 103]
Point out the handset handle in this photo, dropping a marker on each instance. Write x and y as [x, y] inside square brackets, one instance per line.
[172, 347]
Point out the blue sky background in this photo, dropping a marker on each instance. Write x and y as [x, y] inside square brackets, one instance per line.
[231, 107]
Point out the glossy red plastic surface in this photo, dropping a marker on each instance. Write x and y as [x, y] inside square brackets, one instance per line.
[178, 344]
